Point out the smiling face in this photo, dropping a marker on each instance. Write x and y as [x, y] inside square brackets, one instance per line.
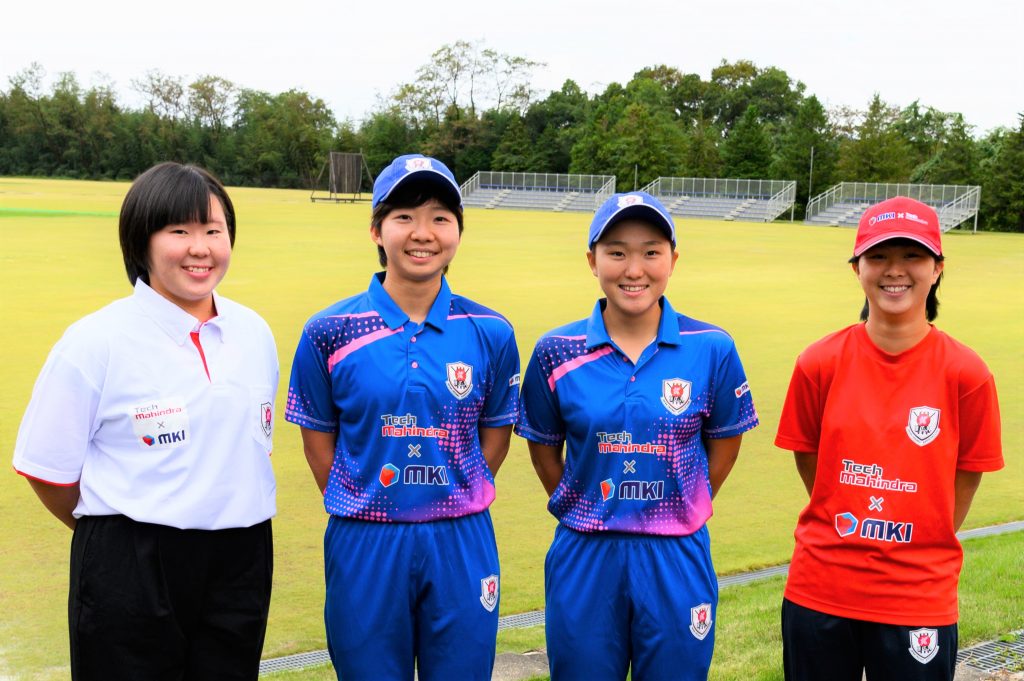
[896, 277]
[419, 242]
[633, 261]
[187, 261]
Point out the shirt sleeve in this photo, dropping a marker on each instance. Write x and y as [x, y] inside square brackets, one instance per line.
[58, 425]
[800, 422]
[310, 395]
[980, 431]
[540, 417]
[732, 409]
[501, 403]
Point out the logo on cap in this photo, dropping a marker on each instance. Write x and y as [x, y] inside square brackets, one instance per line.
[630, 200]
[418, 164]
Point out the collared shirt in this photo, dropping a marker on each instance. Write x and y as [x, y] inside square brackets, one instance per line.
[406, 401]
[153, 423]
[634, 456]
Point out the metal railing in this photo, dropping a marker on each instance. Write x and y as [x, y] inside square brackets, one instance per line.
[712, 186]
[942, 197]
[777, 204]
[960, 210]
[555, 182]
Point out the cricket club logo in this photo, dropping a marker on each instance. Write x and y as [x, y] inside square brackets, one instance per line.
[460, 379]
[267, 418]
[489, 592]
[418, 164]
[924, 643]
[700, 620]
[675, 395]
[923, 425]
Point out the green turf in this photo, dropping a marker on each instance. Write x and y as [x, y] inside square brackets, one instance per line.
[775, 287]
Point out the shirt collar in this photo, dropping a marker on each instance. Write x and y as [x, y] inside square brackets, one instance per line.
[173, 320]
[597, 333]
[393, 315]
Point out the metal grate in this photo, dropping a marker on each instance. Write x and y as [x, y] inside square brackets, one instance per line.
[995, 656]
[314, 658]
[522, 620]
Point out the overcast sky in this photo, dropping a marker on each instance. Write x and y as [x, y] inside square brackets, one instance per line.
[954, 55]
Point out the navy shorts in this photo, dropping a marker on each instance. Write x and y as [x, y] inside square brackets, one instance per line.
[616, 601]
[405, 594]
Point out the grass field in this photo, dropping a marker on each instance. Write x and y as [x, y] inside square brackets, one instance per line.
[774, 287]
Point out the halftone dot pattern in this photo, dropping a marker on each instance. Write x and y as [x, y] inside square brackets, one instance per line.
[631, 463]
[408, 444]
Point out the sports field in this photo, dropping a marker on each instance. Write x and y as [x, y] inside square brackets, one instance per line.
[774, 287]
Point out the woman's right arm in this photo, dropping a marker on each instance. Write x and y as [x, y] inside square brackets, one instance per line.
[60, 500]
[319, 448]
[548, 463]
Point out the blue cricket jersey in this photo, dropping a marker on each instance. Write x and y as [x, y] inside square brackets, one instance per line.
[634, 456]
[406, 401]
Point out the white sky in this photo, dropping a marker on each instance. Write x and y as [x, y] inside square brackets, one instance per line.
[954, 55]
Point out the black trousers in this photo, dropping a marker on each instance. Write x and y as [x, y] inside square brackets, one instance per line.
[821, 647]
[154, 603]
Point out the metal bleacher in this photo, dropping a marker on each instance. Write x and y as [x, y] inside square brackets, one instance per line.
[537, 191]
[725, 199]
[843, 204]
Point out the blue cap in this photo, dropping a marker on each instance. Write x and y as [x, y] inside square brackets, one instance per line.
[422, 169]
[631, 206]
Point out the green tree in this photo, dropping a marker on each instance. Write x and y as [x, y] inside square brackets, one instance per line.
[1002, 198]
[955, 161]
[878, 152]
[747, 150]
[808, 129]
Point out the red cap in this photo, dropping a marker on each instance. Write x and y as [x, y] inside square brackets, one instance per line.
[899, 218]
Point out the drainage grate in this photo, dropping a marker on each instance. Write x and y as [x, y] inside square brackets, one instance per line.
[995, 656]
[522, 620]
[293, 662]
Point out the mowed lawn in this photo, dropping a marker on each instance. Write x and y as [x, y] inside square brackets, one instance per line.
[774, 287]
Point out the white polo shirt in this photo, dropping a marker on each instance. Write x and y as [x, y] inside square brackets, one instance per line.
[151, 426]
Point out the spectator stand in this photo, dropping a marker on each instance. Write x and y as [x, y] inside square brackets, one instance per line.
[843, 204]
[537, 191]
[725, 199]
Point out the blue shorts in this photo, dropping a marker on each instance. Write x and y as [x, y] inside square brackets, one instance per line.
[617, 600]
[405, 594]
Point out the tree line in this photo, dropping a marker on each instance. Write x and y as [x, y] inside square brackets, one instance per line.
[475, 109]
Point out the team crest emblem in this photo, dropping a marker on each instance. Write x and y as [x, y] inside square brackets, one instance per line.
[675, 395]
[460, 379]
[700, 620]
[267, 418]
[924, 643]
[630, 200]
[489, 592]
[923, 425]
[418, 164]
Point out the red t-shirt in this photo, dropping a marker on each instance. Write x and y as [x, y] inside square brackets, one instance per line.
[876, 541]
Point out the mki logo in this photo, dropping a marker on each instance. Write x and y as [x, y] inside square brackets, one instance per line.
[675, 395]
[460, 379]
[388, 475]
[923, 425]
[607, 489]
[924, 643]
[874, 529]
[846, 524]
[148, 439]
[489, 592]
[700, 620]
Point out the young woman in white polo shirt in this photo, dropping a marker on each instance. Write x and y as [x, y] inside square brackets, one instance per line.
[149, 434]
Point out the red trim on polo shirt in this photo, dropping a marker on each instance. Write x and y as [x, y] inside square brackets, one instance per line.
[199, 347]
[46, 482]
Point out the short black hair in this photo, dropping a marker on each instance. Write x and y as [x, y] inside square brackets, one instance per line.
[412, 195]
[931, 304]
[167, 194]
